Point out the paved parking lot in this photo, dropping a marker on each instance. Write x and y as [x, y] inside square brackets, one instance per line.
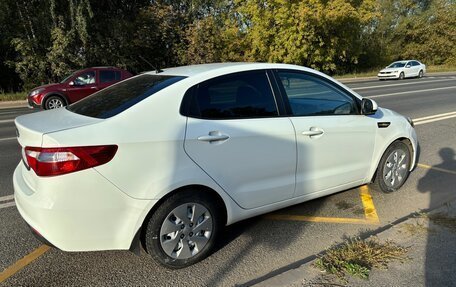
[258, 248]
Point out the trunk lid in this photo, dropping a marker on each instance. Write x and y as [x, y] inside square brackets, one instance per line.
[32, 127]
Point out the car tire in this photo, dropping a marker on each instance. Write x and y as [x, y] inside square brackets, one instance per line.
[54, 102]
[420, 74]
[174, 238]
[394, 168]
[401, 76]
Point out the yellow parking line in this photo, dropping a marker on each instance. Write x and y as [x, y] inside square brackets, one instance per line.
[436, 168]
[369, 209]
[21, 263]
[318, 219]
[370, 213]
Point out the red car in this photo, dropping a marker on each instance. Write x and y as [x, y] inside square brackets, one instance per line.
[75, 87]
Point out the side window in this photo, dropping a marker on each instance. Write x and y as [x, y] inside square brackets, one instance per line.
[85, 79]
[415, 63]
[240, 95]
[107, 76]
[311, 96]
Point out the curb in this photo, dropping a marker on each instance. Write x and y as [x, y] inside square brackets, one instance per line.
[13, 104]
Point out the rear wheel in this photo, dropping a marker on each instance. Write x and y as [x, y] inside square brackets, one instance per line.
[54, 102]
[420, 74]
[393, 168]
[182, 231]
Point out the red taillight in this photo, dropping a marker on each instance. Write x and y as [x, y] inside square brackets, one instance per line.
[63, 160]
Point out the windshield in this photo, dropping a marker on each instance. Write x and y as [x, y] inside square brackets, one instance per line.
[67, 78]
[117, 98]
[397, 65]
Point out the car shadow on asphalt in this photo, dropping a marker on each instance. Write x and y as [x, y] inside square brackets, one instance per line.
[440, 259]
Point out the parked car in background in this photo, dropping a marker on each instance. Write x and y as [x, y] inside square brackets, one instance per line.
[169, 158]
[403, 69]
[75, 87]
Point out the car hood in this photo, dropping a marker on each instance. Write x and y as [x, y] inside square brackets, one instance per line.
[390, 69]
[48, 86]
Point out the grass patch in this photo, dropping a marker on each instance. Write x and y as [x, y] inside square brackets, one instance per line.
[444, 220]
[371, 73]
[440, 68]
[357, 257]
[4, 97]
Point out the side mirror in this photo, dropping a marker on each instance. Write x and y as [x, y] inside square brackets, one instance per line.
[368, 107]
[408, 66]
[71, 83]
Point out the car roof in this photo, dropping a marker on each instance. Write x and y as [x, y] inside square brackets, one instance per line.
[401, 61]
[193, 70]
[98, 68]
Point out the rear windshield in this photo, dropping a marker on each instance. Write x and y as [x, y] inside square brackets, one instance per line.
[116, 99]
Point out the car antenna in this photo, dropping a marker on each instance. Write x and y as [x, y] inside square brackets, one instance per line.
[157, 70]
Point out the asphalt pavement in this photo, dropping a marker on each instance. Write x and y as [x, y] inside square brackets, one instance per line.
[256, 250]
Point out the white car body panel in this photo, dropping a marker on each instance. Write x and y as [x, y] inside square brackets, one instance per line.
[158, 152]
[338, 157]
[262, 153]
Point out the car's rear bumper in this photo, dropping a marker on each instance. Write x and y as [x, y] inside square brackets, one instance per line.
[91, 215]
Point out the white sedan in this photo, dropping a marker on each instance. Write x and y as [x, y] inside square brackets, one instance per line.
[166, 159]
[403, 69]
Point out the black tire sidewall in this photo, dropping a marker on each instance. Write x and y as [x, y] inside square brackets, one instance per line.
[152, 232]
[401, 76]
[379, 181]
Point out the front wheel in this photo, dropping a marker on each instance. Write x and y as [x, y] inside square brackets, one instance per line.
[54, 102]
[182, 231]
[393, 168]
[401, 76]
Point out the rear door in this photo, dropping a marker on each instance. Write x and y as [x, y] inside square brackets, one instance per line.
[334, 142]
[235, 134]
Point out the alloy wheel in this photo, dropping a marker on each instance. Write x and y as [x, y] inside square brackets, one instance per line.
[395, 168]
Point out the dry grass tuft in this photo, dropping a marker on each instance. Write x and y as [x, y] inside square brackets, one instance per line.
[357, 257]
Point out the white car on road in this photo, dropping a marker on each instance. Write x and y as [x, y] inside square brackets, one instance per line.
[403, 69]
[168, 158]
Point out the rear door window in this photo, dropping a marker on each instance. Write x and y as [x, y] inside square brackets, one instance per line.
[107, 76]
[117, 98]
[234, 96]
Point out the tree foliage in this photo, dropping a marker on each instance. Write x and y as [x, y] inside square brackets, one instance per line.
[44, 40]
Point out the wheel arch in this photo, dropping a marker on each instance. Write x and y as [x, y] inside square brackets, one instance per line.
[214, 195]
[411, 149]
[58, 94]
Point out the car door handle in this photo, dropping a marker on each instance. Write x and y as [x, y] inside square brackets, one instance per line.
[213, 137]
[94, 88]
[312, 132]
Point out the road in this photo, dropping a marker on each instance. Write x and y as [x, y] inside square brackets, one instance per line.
[255, 249]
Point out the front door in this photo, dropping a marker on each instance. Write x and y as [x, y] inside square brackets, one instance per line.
[335, 143]
[82, 86]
